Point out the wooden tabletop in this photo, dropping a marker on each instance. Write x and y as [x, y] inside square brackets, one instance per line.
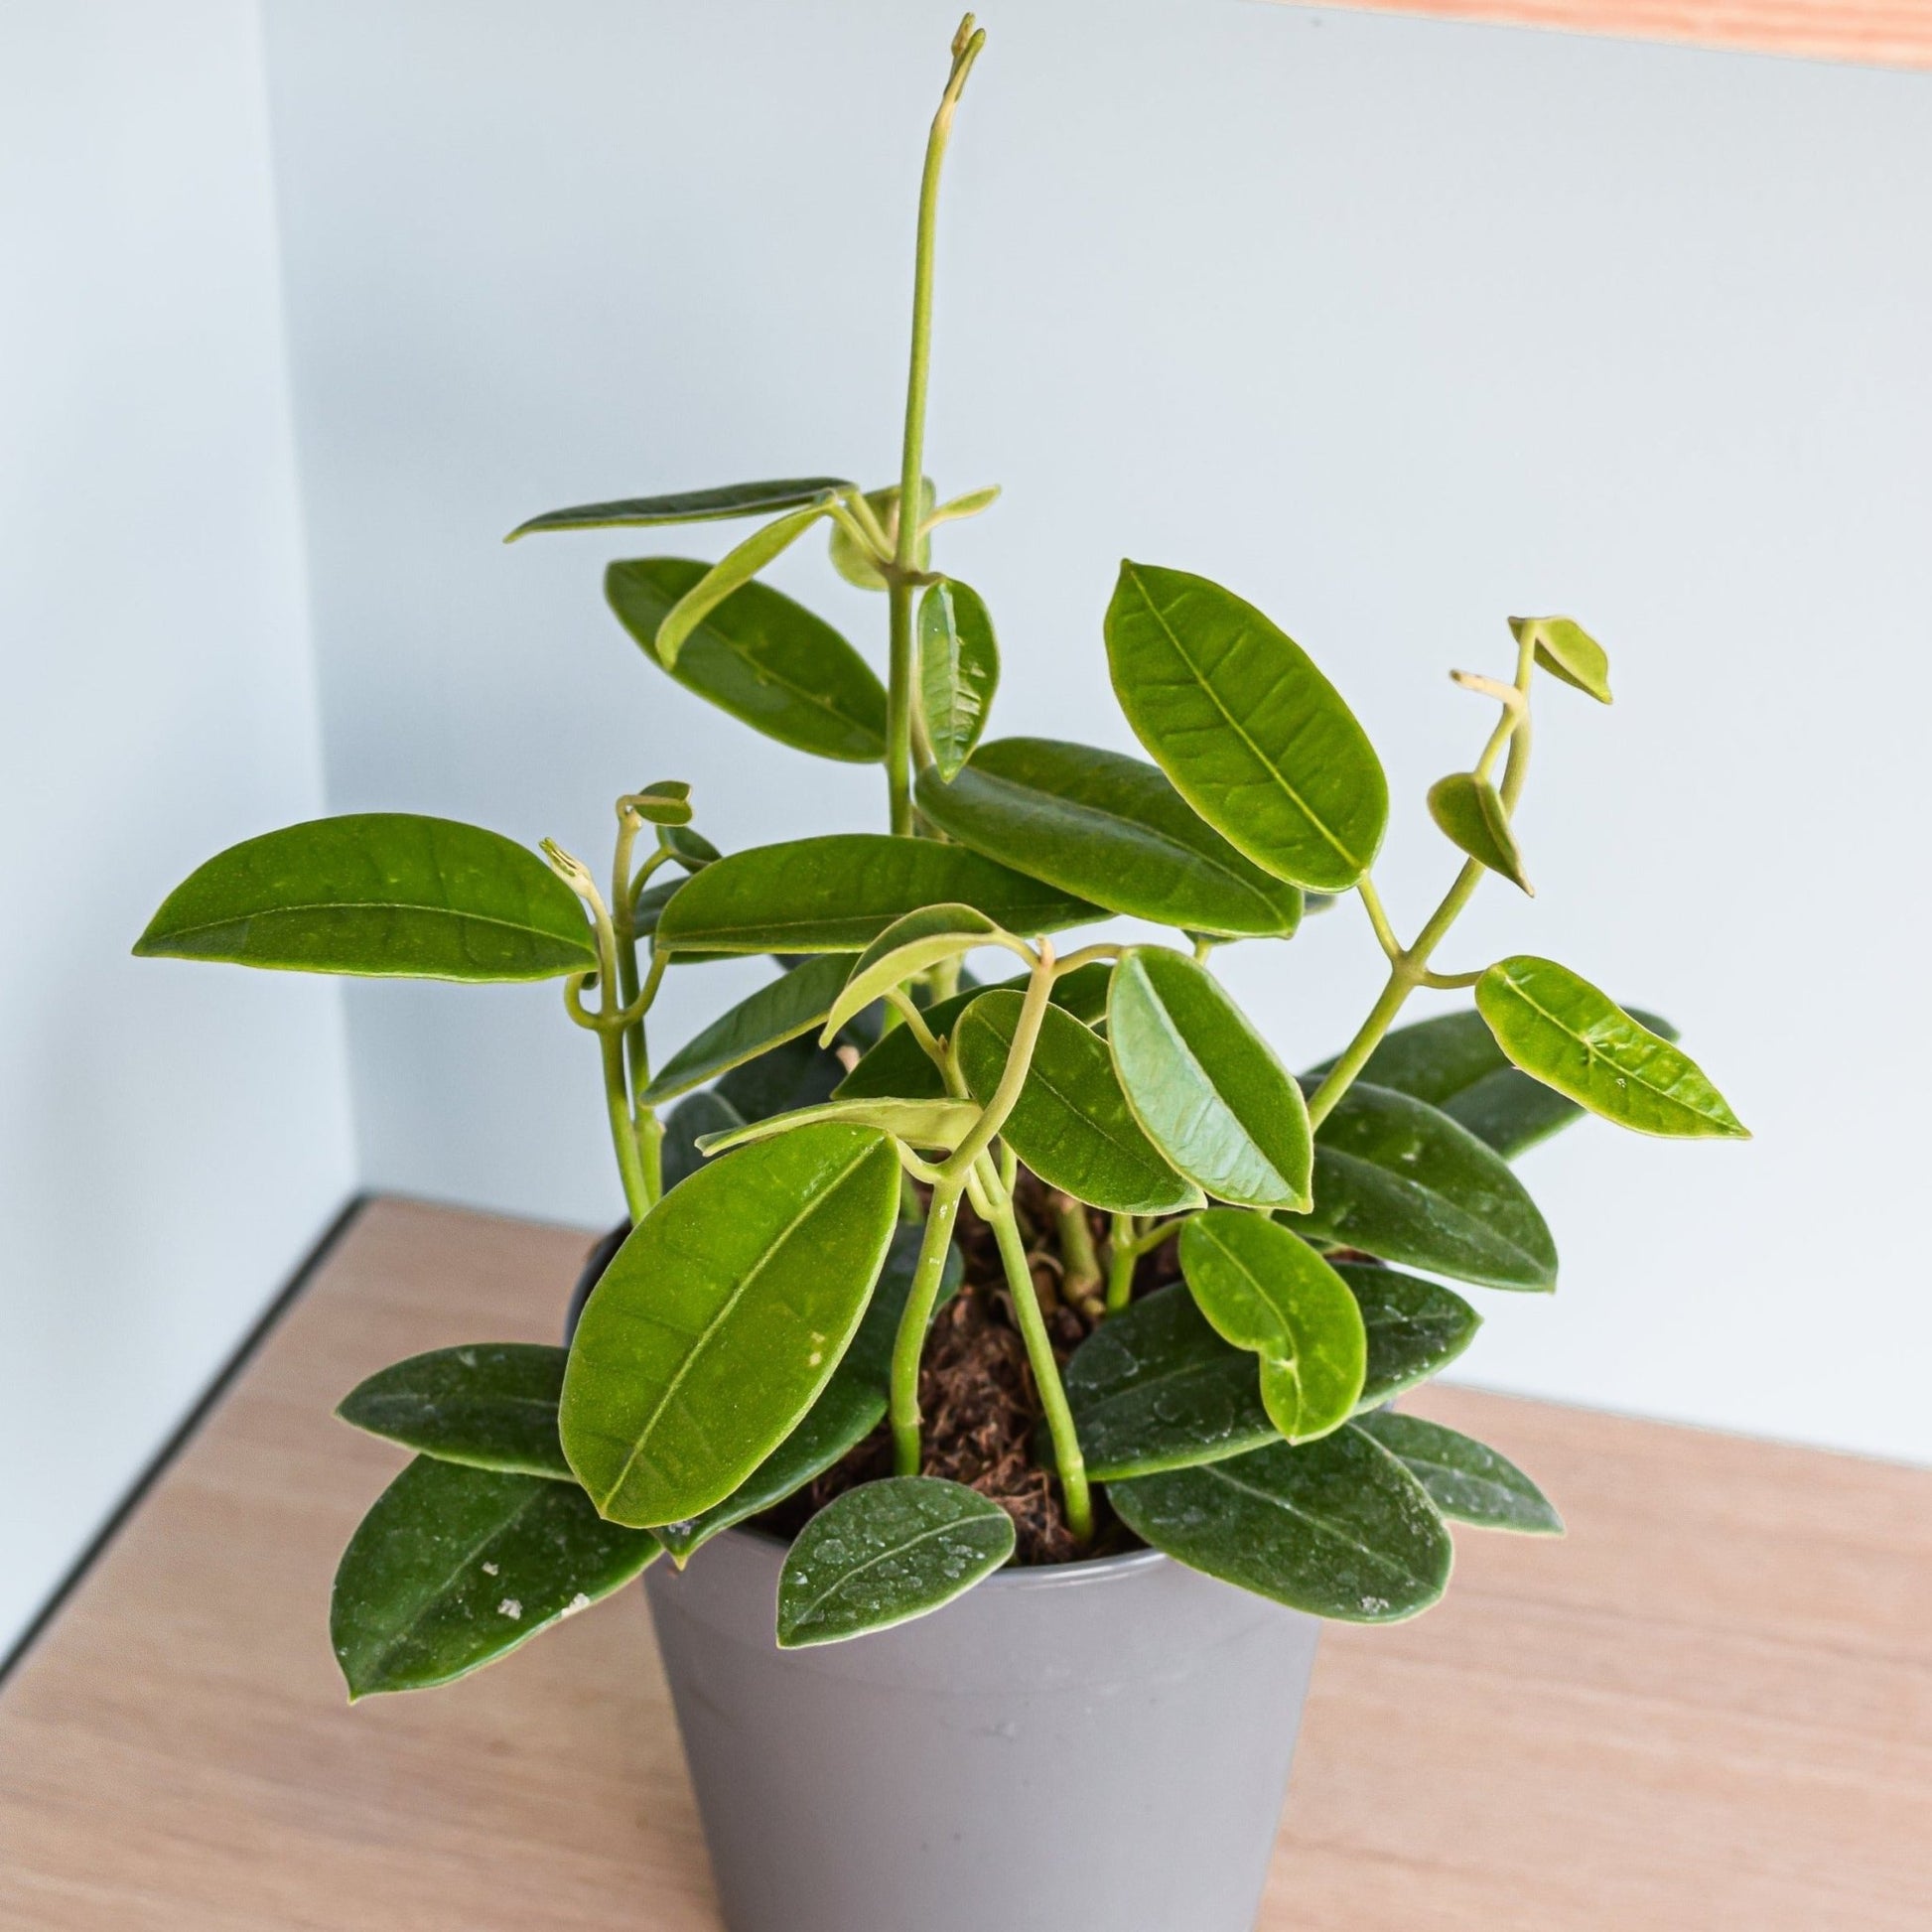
[1710, 1708]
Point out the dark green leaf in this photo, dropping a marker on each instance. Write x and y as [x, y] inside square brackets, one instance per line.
[900, 1066]
[767, 661]
[1252, 736]
[1398, 1178]
[1564, 1032]
[909, 946]
[839, 894]
[1567, 652]
[959, 670]
[689, 506]
[665, 803]
[722, 1317]
[693, 1118]
[1338, 1528]
[491, 1405]
[787, 1007]
[1206, 1086]
[453, 1567]
[1414, 1327]
[1267, 1291]
[378, 893]
[1467, 1481]
[1071, 1124]
[692, 850]
[1109, 828]
[798, 1073]
[1469, 812]
[886, 1553]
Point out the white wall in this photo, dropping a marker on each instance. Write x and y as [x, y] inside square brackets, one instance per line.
[1395, 327]
[172, 1138]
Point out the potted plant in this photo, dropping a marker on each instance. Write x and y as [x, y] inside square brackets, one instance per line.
[1057, 1304]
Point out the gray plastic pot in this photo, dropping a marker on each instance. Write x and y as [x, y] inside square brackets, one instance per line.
[1094, 1748]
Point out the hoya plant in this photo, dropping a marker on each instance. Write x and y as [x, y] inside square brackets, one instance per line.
[1216, 1273]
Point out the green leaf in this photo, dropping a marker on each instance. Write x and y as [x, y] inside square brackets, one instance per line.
[689, 506]
[1265, 1289]
[1204, 1085]
[1338, 1528]
[791, 1005]
[1398, 1178]
[853, 564]
[1567, 652]
[1414, 1327]
[899, 1065]
[667, 802]
[1071, 1124]
[909, 946]
[798, 1073]
[885, 1553]
[970, 505]
[693, 1119]
[454, 1567]
[959, 670]
[1109, 828]
[918, 1123]
[1561, 1030]
[1252, 736]
[722, 1317]
[769, 662]
[851, 1406]
[839, 894]
[1467, 1481]
[382, 893]
[1469, 812]
[491, 1406]
[735, 569]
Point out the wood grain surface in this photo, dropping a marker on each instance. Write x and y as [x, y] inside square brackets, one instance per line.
[1871, 33]
[1708, 1709]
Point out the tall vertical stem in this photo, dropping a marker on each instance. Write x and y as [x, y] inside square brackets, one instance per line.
[909, 1343]
[899, 709]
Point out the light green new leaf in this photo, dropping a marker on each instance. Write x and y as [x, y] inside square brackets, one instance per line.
[918, 1123]
[729, 573]
[1110, 828]
[768, 661]
[1071, 1125]
[1467, 1481]
[970, 505]
[454, 1567]
[840, 893]
[491, 1405]
[1206, 1086]
[959, 670]
[722, 1317]
[1414, 1327]
[909, 946]
[1252, 734]
[689, 506]
[1338, 1528]
[787, 1007]
[853, 563]
[1267, 1291]
[1573, 1037]
[381, 893]
[886, 1553]
[1398, 1178]
[1567, 652]
[1469, 812]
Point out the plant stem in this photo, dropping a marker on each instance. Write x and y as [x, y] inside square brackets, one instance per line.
[909, 1343]
[1012, 1076]
[1079, 1261]
[899, 708]
[1122, 1259]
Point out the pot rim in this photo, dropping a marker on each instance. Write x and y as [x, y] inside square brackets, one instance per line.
[1033, 1576]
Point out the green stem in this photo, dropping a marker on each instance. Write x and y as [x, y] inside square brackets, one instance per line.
[899, 709]
[909, 1342]
[1079, 1260]
[1122, 1259]
[1012, 1076]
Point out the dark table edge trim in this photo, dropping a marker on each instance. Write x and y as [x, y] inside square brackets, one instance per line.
[284, 1298]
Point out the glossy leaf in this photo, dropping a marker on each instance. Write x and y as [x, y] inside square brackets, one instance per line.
[839, 894]
[1109, 828]
[1071, 1124]
[689, 506]
[1338, 1528]
[454, 1567]
[722, 1317]
[1561, 1030]
[885, 1553]
[767, 661]
[959, 670]
[1204, 1085]
[1469, 813]
[694, 1118]
[798, 1073]
[666, 803]
[692, 850]
[731, 571]
[918, 1123]
[1567, 652]
[897, 1064]
[491, 1405]
[1251, 732]
[378, 893]
[1468, 1480]
[907, 947]
[1400, 1180]
[1414, 1327]
[853, 564]
[791, 1005]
